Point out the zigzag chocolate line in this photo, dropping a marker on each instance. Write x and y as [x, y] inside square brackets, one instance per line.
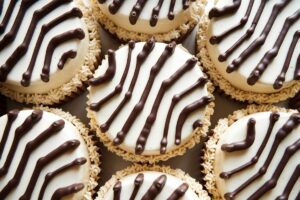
[7, 15]
[65, 191]
[227, 10]
[67, 55]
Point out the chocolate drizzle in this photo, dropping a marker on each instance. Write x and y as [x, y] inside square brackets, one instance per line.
[67, 55]
[227, 10]
[115, 6]
[281, 134]
[119, 88]
[155, 188]
[7, 15]
[238, 146]
[155, 13]
[171, 10]
[136, 11]
[65, 191]
[166, 84]
[117, 190]
[167, 53]
[137, 184]
[179, 192]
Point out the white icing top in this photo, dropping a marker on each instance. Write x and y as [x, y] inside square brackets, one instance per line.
[73, 175]
[57, 76]
[176, 61]
[121, 18]
[227, 161]
[172, 183]
[239, 77]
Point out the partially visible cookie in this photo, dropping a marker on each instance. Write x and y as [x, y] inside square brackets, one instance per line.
[151, 182]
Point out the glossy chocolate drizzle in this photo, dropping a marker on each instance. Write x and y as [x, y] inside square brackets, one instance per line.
[115, 5]
[117, 190]
[65, 191]
[179, 192]
[22, 49]
[292, 123]
[137, 184]
[30, 147]
[155, 188]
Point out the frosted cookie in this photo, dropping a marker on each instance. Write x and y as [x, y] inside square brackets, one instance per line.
[149, 101]
[48, 49]
[254, 154]
[46, 154]
[151, 182]
[141, 19]
[251, 50]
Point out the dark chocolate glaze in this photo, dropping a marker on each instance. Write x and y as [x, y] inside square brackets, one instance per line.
[3, 106]
[155, 13]
[218, 38]
[137, 184]
[166, 84]
[117, 190]
[247, 143]
[136, 11]
[46, 160]
[271, 54]
[7, 15]
[119, 88]
[115, 6]
[176, 98]
[274, 116]
[21, 131]
[155, 188]
[110, 72]
[271, 183]
[65, 191]
[51, 175]
[167, 53]
[53, 44]
[186, 112]
[282, 133]
[179, 192]
[30, 147]
[247, 34]
[142, 56]
[67, 55]
[75, 12]
[287, 190]
[11, 117]
[227, 10]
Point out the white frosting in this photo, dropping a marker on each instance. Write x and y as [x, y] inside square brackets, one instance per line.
[225, 162]
[79, 174]
[171, 185]
[179, 57]
[164, 25]
[239, 77]
[57, 77]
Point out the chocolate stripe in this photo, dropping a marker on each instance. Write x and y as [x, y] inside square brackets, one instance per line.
[166, 84]
[218, 38]
[1, 6]
[171, 10]
[115, 6]
[167, 53]
[186, 4]
[136, 11]
[30, 147]
[272, 120]
[143, 55]
[67, 55]
[271, 54]
[243, 145]
[22, 130]
[7, 15]
[117, 190]
[75, 12]
[3, 106]
[137, 184]
[155, 188]
[226, 10]
[54, 43]
[179, 192]
[70, 145]
[65, 191]
[176, 98]
[186, 112]
[119, 88]
[11, 117]
[155, 13]
[297, 69]
[51, 175]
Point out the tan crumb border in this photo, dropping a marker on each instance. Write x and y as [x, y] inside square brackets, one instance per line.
[209, 150]
[126, 35]
[193, 184]
[225, 85]
[130, 156]
[76, 85]
[92, 148]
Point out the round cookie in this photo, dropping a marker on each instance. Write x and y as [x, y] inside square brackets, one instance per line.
[46, 153]
[254, 154]
[150, 101]
[139, 19]
[48, 49]
[149, 182]
[255, 56]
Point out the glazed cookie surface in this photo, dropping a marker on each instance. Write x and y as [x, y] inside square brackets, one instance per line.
[149, 100]
[45, 156]
[257, 50]
[43, 46]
